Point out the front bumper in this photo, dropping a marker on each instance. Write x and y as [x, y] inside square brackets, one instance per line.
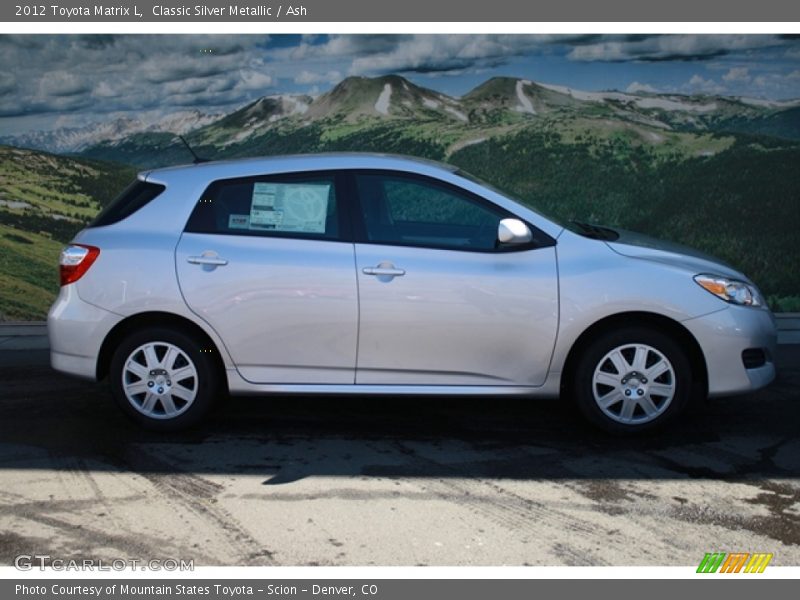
[76, 330]
[723, 336]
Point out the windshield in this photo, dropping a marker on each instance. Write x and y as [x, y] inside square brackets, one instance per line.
[596, 232]
[507, 194]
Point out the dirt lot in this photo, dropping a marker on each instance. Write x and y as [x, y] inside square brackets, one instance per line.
[392, 482]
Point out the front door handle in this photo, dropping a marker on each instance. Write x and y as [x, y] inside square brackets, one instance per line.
[214, 261]
[384, 270]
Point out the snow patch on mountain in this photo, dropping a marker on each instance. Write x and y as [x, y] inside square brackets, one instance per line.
[525, 104]
[761, 102]
[239, 137]
[641, 118]
[15, 204]
[456, 113]
[183, 121]
[654, 137]
[430, 103]
[581, 95]
[670, 104]
[382, 104]
[472, 142]
[591, 96]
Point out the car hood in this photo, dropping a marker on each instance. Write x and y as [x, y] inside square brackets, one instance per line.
[637, 245]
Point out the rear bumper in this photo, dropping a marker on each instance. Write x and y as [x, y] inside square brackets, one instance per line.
[71, 364]
[76, 330]
[723, 336]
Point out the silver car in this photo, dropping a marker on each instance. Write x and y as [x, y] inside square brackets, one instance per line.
[380, 275]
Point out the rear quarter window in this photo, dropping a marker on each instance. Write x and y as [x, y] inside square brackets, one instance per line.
[135, 196]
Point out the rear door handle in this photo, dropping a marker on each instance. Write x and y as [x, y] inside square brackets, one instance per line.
[383, 271]
[207, 260]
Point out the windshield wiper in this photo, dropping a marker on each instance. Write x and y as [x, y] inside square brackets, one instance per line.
[597, 232]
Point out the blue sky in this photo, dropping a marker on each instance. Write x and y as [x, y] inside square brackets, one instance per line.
[52, 81]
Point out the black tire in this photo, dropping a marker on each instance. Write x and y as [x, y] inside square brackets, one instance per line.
[583, 386]
[205, 383]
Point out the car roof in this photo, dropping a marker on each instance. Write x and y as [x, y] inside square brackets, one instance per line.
[298, 162]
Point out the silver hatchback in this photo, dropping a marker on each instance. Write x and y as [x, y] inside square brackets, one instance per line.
[382, 275]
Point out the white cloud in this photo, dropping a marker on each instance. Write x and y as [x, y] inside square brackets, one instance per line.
[104, 90]
[786, 85]
[636, 87]
[307, 77]
[62, 83]
[737, 74]
[109, 74]
[698, 84]
[431, 54]
[129, 73]
[671, 47]
[420, 53]
[253, 80]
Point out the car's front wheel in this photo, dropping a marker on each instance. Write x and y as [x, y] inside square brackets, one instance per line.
[632, 379]
[163, 379]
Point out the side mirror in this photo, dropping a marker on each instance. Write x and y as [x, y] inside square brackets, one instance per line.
[513, 231]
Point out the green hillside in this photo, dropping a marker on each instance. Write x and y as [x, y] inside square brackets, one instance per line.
[44, 200]
[719, 174]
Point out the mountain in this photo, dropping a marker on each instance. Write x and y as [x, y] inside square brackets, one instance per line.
[253, 119]
[717, 173]
[75, 139]
[506, 97]
[394, 114]
[390, 96]
[494, 107]
[44, 200]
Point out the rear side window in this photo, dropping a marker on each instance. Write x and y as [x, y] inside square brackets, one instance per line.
[277, 206]
[132, 198]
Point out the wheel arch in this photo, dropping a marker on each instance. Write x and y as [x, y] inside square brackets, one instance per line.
[658, 322]
[155, 319]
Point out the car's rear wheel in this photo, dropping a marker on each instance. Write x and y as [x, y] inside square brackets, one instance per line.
[162, 379]
[633, 379]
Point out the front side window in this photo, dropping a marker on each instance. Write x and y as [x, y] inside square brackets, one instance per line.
[280, 206]
[408, 210]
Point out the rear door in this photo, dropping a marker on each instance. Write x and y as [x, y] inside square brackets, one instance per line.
[268, 263]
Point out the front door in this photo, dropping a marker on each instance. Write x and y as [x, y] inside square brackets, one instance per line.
[440, 302]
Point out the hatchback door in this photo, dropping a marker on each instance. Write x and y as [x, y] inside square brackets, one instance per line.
[441, 302]
[265, 262]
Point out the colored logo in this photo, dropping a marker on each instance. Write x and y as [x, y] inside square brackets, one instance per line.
[735, 562]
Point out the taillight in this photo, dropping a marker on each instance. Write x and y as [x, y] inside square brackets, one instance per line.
[75, 260]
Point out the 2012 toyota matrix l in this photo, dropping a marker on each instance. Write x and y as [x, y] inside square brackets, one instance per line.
[384, 275]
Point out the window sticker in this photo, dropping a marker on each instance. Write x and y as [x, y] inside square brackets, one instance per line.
[295, 207]
[238, 221]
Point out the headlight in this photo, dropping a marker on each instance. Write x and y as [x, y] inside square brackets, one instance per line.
[730, 290]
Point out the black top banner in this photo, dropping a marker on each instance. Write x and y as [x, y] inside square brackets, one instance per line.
[742, 11]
